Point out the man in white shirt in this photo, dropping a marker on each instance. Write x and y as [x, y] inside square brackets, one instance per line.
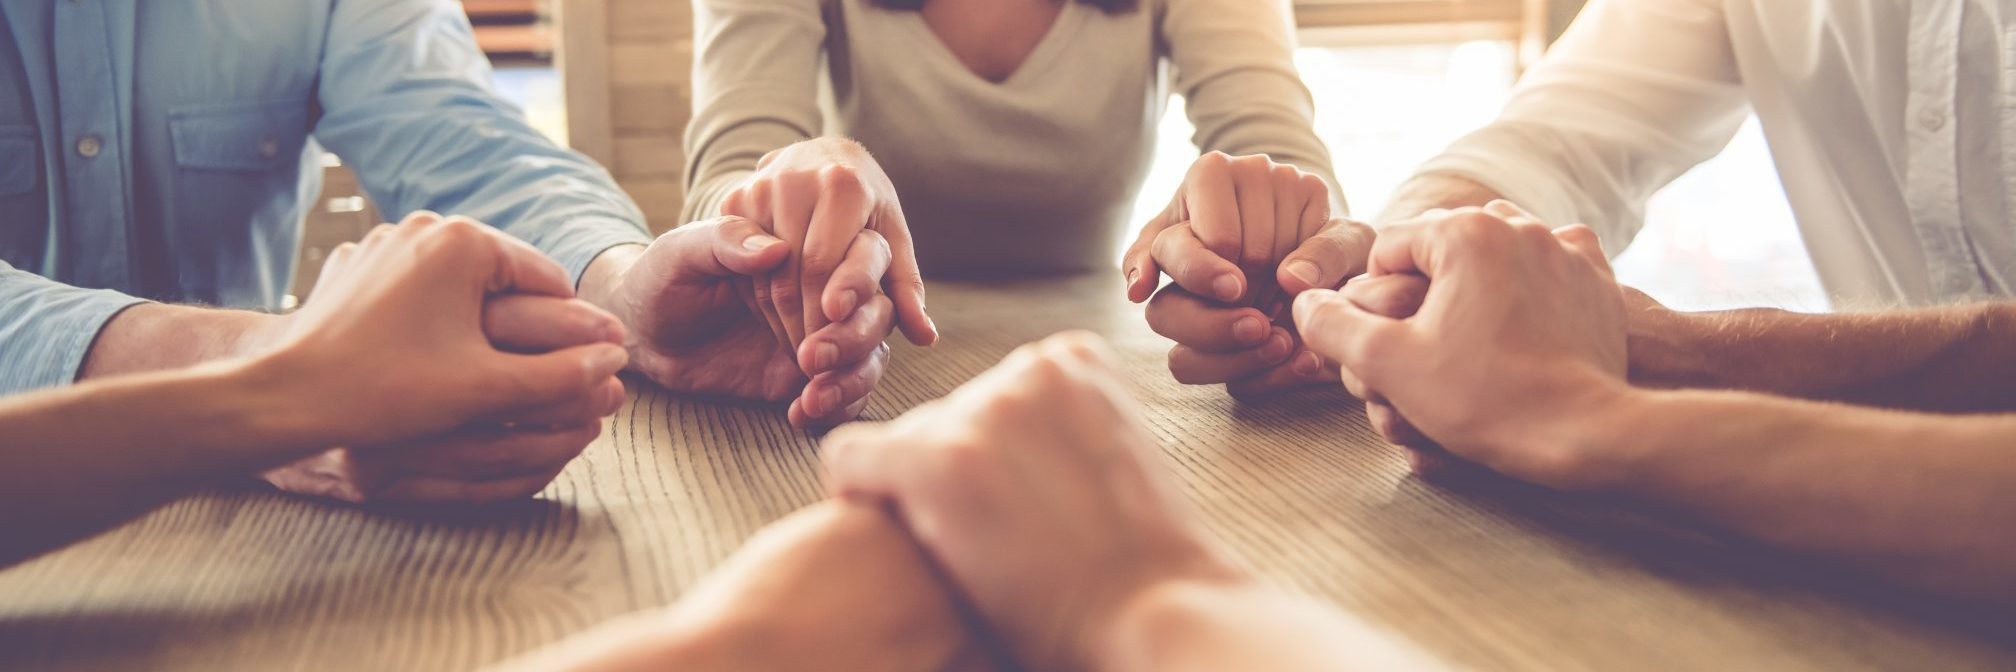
[1891, 125]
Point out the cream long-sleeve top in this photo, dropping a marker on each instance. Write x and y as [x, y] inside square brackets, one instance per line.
[1036, 173]
[1893, 126]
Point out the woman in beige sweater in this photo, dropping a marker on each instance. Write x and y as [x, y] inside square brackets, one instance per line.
[1018, 133]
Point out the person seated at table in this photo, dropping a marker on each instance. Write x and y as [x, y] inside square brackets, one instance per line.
[1888, 126]
[1045, 451]
[1482, 333]
[1017, 135]
[157, 155]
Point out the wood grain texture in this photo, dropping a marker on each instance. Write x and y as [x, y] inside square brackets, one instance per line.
[1484, 572]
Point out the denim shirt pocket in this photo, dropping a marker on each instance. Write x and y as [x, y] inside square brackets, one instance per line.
[234, 210]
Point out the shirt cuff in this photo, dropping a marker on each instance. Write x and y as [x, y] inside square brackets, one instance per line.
[577, 244]
[45, 341]
[1527, 186]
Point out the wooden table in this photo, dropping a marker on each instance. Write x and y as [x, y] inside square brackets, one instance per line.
[1486, 573]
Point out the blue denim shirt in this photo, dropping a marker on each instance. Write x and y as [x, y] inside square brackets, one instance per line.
[167, 149]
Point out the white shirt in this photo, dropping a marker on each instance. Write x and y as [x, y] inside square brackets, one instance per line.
[1889, 121]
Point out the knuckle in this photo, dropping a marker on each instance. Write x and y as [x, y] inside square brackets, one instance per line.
[1476, 227]
[842, 179]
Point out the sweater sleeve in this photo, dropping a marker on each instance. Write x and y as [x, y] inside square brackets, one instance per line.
[756, 69]
[1235, 68]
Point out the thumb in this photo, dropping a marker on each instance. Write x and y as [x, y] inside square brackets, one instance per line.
[1323, 261]
[1340, 331]
[557, 376]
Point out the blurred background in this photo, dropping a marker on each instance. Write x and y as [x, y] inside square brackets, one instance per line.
[1394, 81]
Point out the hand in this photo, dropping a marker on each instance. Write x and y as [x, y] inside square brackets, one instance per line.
[696, 327]
[1242, 237]
[818, 195]
[1045, 452]
[836, 585]
[1522, 332]
[510, 456]
[392, 348]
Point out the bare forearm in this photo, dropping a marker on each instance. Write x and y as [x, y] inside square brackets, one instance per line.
[1955, 359]
[1921, 499]
[78, 460]
[1195, 626]
[157, 337]
[1433, 192]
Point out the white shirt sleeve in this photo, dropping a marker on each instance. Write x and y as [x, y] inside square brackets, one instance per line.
[1635, 94]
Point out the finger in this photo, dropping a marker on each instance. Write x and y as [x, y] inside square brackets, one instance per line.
[1336, 253]
[488, 453]
[1182, 317]
[839, 216]
[1213, 206]
[791, 204]
[1253, 186]
[1196, 367]
[530, 323]
[721, 247]
[861, 462]
[1341, 332]
[1505, 209]
[857, 278]
[595, 405]
[848, 341]
[1195, 267]
[1395, 428]
[1143, 274]
[1394, 296]
[832, 397]
[530, 381]
[1304, 369]
[1583, 240]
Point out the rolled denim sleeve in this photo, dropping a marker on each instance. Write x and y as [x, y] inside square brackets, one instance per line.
[47, 327]
[407, 100]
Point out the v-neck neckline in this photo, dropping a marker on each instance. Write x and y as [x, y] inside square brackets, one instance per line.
[1037, 58]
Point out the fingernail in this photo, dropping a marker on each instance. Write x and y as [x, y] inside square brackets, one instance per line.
[1133, 275]
[606, 359]
[847, 302]
[1309, 365]
[613, 331]
[824, 356]
[1227, 287]
[1306, 271]
[1249, 330]
[759, 242]
[1277, 349]
[829, 401]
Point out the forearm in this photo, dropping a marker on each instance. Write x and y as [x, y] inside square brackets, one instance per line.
[156, 337]
[1952, 359]
[78, 460]
[1199, 626]
[1920, 499]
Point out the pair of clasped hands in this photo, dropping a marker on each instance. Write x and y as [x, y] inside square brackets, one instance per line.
[836, 274]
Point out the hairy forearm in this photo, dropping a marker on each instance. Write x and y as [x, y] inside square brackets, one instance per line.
[157, 337]
[1432, 192]
[78, 460]
[1203, 626]
[1920, 499]
[1953, 359]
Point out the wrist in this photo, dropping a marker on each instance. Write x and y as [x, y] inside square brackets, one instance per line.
[1604, 441]
[1147, 629]
[604, 276]
[1672, 349]
[278, 408]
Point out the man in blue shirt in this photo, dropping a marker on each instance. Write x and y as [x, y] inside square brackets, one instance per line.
[164, 152]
